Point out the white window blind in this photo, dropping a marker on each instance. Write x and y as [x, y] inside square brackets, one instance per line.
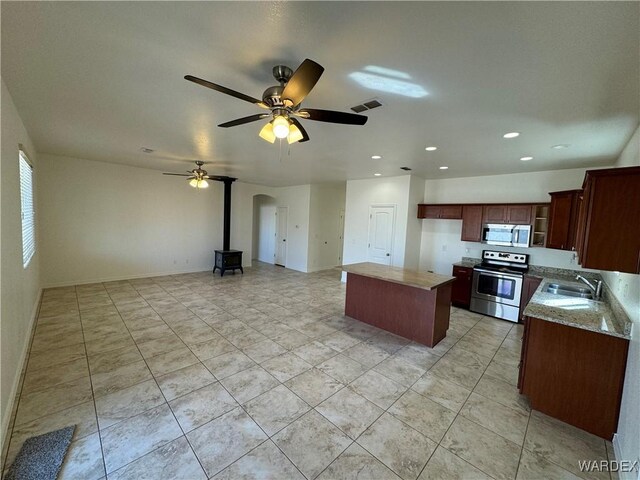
[27, 210]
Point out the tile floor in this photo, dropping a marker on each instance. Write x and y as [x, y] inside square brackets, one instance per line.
[261, 376]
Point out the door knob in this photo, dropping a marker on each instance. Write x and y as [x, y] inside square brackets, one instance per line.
[387, 254]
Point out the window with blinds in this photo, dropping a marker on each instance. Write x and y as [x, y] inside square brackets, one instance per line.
[27, 210]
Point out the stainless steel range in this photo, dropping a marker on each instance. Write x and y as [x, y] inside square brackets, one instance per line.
[497, 284]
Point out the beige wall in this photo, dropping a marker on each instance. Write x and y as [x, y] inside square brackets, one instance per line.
[325, 245]
[626, 288]
[102, 221]
[19, 287]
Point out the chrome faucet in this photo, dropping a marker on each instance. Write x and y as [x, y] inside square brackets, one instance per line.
[597, 288]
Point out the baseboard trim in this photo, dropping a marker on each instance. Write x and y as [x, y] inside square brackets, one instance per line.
[617, 450]
[127, 277]
[17, 381]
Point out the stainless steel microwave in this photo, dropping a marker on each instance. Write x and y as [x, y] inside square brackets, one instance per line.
[506, 235]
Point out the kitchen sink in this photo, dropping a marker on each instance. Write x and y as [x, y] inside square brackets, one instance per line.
[569, 290]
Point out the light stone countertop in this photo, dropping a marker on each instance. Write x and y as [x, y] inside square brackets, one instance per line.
[597, 316]
[403, 276]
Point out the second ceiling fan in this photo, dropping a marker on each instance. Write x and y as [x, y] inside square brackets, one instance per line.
[284, 102]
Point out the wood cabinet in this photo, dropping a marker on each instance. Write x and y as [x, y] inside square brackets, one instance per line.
[573, 375]
[608, 230]
[471, 223]
[529, 286]
[519, 214]
[563, 219]
[494, 214]
[516, 214]
[451, 212]
[461, 289]
[475, 215]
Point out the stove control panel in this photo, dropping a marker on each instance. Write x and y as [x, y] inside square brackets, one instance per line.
[521, 258]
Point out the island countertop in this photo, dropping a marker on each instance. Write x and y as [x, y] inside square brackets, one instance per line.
[402, 276]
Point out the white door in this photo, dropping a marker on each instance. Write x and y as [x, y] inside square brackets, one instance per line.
[281, 235]
[381, 223]
[340, 235]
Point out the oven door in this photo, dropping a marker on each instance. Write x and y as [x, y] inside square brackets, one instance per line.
[497, 287]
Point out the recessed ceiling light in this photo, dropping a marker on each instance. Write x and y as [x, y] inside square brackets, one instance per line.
[147, 150]
[431, 149]
[377, 174]
[511, 135]
[444, 167]
[376, 157]
[560, 146]
[526, 159]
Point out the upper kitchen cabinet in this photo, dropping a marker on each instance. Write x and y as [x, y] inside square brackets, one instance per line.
[471, 223]
[563, 218]
[509, 214]
[519, 214]
[452, 212]
[494, 214]
[608, 230]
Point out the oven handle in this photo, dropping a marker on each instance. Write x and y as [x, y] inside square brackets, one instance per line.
[498, 274]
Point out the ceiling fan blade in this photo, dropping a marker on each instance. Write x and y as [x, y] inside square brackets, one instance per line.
[301, 82]
[243, 120]
[228, 91]
[296, 122]
[332, 116]
[179, 174]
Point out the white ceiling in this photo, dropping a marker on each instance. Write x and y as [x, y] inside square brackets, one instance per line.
[101, 80]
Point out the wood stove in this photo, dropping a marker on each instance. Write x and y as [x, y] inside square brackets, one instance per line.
[227, 259]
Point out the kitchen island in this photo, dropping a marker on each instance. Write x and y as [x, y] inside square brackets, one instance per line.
[412, 304]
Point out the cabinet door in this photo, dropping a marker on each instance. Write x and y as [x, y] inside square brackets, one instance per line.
[519, 214]
[562, 220]
[461, 289]
[471, 223]
[428, 211]
[451, 211]
[529, 287]
[612, 231]
[495, 214]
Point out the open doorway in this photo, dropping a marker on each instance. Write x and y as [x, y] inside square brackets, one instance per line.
[264, 229]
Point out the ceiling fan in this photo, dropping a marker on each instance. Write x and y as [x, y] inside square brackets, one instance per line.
[198, 176]
[285, 101]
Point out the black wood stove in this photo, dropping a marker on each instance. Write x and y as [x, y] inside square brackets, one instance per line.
[227, 259]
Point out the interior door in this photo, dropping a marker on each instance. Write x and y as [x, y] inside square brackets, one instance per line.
[281, 235]
[381, 224]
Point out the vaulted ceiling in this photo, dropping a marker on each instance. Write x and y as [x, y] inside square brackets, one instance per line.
[100, 80]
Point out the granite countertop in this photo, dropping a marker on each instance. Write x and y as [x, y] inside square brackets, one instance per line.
[467, 262]
[598, 316]
[403, 276]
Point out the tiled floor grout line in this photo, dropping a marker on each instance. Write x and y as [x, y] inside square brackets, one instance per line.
[184, 434]
[93, 397]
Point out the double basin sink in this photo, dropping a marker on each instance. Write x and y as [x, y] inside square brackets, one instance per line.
[569, 290]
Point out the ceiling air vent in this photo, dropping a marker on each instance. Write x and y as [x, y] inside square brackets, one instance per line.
[367, 105]
[406, 169]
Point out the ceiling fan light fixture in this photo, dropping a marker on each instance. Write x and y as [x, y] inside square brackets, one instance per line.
[280, 127]
[199, 183]
[267, 133]
[295, 135]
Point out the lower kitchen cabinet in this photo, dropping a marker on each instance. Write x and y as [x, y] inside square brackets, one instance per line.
[461, 290]
[573, 375]
[529, 286]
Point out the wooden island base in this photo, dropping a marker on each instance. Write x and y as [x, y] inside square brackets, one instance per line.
[415, 313]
